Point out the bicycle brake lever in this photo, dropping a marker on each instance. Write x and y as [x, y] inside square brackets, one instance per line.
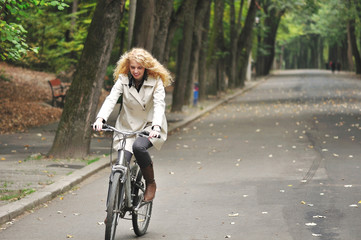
[146, 134]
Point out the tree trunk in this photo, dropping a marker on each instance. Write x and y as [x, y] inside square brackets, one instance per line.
[74, 10]
[176, 19]
[73, 135]
[232, 64]
[164, 9]
[184, 56]
[349, 51]
[344, 54]
[132, 11]
[201, 11]
[245, 43]
[143, 33]
[122, 41]
[355, 51]
[271, 22]
[320, 50]
[314, 51]
[234, 51]
[202, 69]
[219, 45]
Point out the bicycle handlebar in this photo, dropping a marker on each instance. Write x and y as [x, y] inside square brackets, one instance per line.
[108, 128]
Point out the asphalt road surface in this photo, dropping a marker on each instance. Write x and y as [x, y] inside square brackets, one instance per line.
[281, 161]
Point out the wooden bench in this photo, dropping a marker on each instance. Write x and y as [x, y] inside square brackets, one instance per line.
[58, 91]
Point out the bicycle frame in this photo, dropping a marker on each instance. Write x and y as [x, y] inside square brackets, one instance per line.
[126, 189]
[125, 169]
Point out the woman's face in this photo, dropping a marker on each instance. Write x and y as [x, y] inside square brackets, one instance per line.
[136, 70]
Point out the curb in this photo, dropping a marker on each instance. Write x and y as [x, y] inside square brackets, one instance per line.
[12, 210]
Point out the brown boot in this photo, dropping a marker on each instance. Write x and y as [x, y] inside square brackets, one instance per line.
[150, 185]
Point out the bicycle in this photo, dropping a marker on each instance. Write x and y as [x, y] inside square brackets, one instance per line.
[126, 189]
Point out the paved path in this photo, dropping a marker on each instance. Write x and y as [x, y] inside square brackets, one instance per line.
[22, 167]
[279, 162]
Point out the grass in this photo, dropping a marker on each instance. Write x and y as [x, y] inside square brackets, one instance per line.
[9, 195]
[92, 160]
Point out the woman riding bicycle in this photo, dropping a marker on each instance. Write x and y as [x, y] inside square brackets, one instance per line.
[140, 79]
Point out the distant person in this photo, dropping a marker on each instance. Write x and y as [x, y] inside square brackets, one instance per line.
[327, 66]
[333, 66]
[140, 79]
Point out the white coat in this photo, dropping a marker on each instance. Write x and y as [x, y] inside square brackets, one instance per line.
[139, 110]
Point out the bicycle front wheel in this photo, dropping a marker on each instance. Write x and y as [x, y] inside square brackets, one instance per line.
[141, 216]
[115, 199]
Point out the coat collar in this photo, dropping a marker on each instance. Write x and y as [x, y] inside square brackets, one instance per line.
[150, 82]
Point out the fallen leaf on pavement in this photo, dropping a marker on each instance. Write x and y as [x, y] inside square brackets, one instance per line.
[233, 215]
[316, 235]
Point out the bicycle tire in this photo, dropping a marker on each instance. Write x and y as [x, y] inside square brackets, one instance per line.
[141, 218]
[116, 197]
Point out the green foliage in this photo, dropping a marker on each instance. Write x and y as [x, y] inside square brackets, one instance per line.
[318, 24]
[13, 44]
[327, 18]
[280, 5]
[58, 35]
[290, 27]
[330, 21]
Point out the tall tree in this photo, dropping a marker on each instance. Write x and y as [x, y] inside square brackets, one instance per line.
[177, 18]
[245, 43]
[234, 51]
[271, 22]
[201, 10]
[164, 9]
[354, 47]
[355, 6]
[219, 45]
[202, 67]
[131, 20]
[184, 54]
[143, 33]
[72, 137]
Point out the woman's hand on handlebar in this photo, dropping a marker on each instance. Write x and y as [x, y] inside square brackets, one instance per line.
[155, 132]
[98, 124]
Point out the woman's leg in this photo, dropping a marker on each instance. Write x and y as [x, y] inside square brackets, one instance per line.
[140, 150]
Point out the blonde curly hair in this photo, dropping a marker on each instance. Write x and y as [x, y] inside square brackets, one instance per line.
[144, 58]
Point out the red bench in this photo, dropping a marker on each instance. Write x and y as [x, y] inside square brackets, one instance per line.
[58, 91]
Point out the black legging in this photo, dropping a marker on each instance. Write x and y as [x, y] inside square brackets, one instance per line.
[140, 148]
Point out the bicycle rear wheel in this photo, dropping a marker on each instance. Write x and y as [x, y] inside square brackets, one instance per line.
[116, 197]
[141, 216]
